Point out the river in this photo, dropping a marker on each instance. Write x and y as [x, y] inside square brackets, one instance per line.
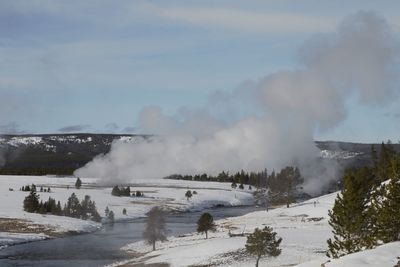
[102, 247]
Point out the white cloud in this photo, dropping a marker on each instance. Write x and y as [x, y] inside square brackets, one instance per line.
[245, 20]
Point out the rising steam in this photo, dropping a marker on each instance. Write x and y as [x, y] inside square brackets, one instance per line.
[358, 60]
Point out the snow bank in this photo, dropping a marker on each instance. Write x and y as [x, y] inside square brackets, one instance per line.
[7, 239]
[387, 255]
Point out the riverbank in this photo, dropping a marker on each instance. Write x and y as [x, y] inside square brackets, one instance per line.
[303, 227]
[104, 246]
[170, 194]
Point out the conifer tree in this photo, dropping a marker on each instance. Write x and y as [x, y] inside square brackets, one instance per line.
[107, 211]
[188, 195]
[263, 242]
[350, 218]
[116, 191]
[205, 224]
[111, 216]
[73, 206]
[388, 210]
[78, 183]
[31, 202]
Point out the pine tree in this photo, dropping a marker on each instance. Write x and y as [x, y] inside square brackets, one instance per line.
[107, 211]
[350, 217]
[111, 216]
[31, 202]
[155, 226]
[124, 211]
[263, 242]
[73, 206]
[188, 195]
[78, 183]
[205, 224]
[116, 191]
[388, 210]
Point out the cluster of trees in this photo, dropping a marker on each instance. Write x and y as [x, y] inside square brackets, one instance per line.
[28, 188]
[257, 179]
[367, 211]
[125, 192]
[281, 185]
[85, 209]
[110, 215]
[119, 192]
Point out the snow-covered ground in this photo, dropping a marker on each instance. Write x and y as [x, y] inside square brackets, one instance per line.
[167, 193]
[387, 255]
[303, 227]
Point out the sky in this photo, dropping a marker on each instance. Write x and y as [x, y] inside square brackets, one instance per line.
[94, 65]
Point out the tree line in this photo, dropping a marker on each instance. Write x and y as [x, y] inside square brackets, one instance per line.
[367, 210]
[85, 209]
[280, 186]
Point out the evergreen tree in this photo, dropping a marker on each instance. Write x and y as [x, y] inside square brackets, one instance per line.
[288, 179]
[78, 183]
[188, 195]
[31, 202]
[388, 209]
[58, 208]
[73, 206]
[107, 211]
[110, 216]
[241, 186]
[116, 191]
[233, 185]
[124, 211]
[350, 217]
[263, 242]
[155, 226]
[205, 224]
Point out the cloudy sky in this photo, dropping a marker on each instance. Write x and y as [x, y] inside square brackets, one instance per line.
[94, 65]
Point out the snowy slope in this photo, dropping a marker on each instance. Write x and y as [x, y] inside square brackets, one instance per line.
[303, 227]
[387, 255]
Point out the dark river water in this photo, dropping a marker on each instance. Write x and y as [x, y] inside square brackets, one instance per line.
[102, 247]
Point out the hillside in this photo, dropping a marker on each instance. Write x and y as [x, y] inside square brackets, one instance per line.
[54, 153]
[61, 154]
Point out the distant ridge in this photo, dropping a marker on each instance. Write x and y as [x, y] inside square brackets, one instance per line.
[63, 153]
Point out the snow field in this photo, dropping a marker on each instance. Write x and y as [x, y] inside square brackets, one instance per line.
[167, 193]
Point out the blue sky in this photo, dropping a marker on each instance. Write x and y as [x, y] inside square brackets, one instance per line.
[97, 63]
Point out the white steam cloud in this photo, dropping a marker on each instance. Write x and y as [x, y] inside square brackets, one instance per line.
[358, 59]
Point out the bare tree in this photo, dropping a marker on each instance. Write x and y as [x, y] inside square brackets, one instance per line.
[155, 226]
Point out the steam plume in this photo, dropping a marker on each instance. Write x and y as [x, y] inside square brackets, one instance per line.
[358, 59]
